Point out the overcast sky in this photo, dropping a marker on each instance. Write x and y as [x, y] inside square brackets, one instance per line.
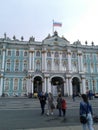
[28, 18]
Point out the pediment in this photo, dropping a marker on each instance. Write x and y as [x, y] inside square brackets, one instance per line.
[56, 40]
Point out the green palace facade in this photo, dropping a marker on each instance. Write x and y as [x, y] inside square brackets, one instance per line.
[52, 65]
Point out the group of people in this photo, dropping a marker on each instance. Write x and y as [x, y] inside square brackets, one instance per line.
[61, 104]
[85, 107]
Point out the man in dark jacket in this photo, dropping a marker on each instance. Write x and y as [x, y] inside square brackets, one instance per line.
[42, 99]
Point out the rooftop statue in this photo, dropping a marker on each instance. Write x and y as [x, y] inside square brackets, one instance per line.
[31, 39]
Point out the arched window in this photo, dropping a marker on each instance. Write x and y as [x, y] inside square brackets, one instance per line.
[49, 65]
[86, 83]
[25, 53]
[38, 53]
[74, 66]
[64, 65]
[17, 52]
[15, 84]
[24, 88]
[84, 56]
[63, 55]
[25, 65]
[56, 62]
[9, 52]
[74, 55]
[48, 54]
[38, 65]
[8, 65]
[56, 54]
[17, 65]
[6, 84]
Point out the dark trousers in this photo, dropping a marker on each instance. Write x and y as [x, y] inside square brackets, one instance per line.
[64, 112]
[60, 111]
[42, 108]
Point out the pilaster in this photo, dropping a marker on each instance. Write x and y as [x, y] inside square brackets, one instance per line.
[69, 60]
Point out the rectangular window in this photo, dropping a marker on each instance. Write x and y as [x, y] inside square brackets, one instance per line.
[25, 53]
[9, 52]
[17, 52]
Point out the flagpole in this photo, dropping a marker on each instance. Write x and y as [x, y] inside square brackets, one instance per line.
[53, 27]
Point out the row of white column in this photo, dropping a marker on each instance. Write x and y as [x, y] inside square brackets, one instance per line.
[2, 69]
[44, 61]
[47, 84]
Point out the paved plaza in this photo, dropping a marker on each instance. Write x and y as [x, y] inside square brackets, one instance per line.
[24, 114]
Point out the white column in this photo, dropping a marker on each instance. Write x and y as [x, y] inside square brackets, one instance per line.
[70, 85]
[45, 85]
[43, 60]
[52, 61]
[29, 87]
[32, 86]
[78, 62]
[67, 86]
[48, 85]
[80, 87]
[69, 60]
[1, 85]
[33, 61]
[3, 59]
[30, 57]
[60, 67]
[81, 57]
[83, 85]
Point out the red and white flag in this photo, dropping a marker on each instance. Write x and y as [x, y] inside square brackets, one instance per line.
[57, 24]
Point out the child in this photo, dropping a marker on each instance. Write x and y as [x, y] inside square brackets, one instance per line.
[64, 107]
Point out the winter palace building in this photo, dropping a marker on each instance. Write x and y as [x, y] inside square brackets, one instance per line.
[53, 65]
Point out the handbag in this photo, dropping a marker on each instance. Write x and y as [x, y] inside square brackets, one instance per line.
[52, 106]
[83, 119]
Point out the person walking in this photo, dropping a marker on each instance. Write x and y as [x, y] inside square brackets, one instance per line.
[59, 104]
[42, 99]
[73, 96]
[51, 105]
[86, 111]
[64, 107]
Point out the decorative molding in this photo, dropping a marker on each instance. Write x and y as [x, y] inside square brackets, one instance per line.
[43, 51]
[1, 76]
[31, 51]
[3, 49]
[68, 53]
[79, 54]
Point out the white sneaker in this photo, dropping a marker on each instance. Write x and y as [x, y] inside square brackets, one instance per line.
[47, 114]
[51, 113]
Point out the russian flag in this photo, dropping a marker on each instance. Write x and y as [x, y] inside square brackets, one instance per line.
[58, 24]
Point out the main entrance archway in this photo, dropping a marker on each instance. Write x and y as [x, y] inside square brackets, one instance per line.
[57, 86]
[76, 86]
[37, 84]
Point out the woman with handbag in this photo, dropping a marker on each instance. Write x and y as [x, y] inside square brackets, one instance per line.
[86, 113]
[51, 105]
